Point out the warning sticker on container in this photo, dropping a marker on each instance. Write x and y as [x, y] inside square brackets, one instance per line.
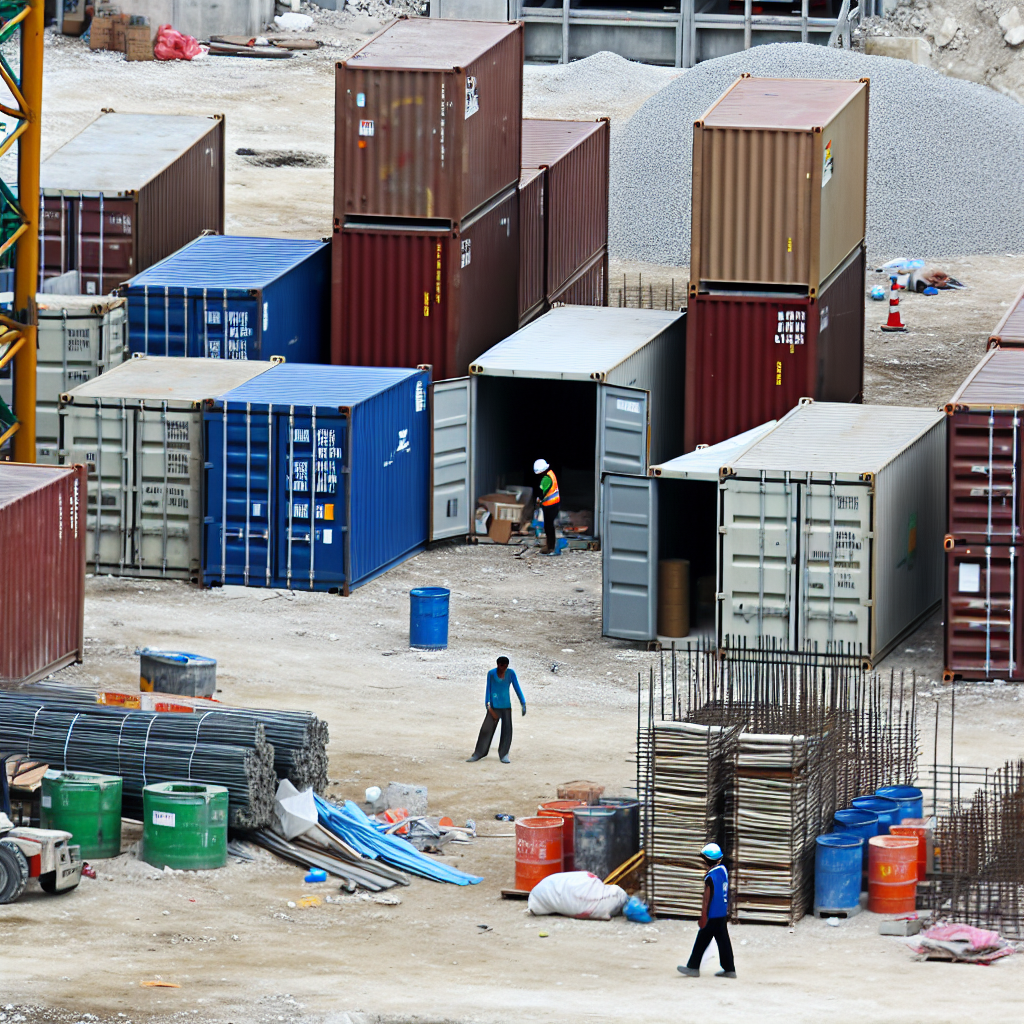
[467, 252]
[472, 96]
[164, 818]
[366, 128]
[826, 164]
[970, 577]
[47, 801]
[624, 405]
[328, 536]
[791, 327]
[257, 508]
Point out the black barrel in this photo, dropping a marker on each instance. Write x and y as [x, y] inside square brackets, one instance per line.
[187, 675]
[625, 827]
[594, 840]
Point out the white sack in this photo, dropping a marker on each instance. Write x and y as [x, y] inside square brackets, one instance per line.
[296, 812]
[577, 894]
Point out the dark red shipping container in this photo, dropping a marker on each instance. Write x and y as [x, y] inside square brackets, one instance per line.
[1010, 330]
[575, 155]
[751, 356]
[127, 191]
[589, 287]
[531, 245]
[983, 606]
[42, 569]
[427, 119]
[410, 292]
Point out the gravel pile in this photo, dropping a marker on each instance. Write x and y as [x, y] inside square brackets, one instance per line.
[944, 174]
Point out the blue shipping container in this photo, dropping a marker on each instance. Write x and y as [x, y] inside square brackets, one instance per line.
[231, 297]
[317, 477]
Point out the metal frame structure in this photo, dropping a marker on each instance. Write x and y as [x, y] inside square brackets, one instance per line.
[19, 216]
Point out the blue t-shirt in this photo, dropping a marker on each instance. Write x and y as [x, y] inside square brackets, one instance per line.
[719, 880]
[497, 694]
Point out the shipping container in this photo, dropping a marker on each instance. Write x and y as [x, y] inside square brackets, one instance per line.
[588, 287]
[531, 245]
[127, 191]
[318, 478]
[407, 293]
[575, 156]
[138, 431]
[1010, 330]
[233, 297]
[79, 337]
[779, 183]
[42, 570]
[827, 533]
[984, 458]
[751, 356]
[591, 390]
[427, 120]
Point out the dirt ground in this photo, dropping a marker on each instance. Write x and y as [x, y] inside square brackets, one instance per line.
[229, 938]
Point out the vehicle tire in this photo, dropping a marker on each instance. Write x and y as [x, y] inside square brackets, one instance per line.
[13, 872]
[48, 883]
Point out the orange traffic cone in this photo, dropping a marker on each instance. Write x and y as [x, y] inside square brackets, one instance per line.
[894, 323]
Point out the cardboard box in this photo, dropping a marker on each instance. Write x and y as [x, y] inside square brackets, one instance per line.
[138, 43]
[901, 926]
[101, 35]
[500, 531]
[118, 28]
[502, 507]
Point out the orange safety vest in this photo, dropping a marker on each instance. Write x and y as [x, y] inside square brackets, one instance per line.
[551, 498]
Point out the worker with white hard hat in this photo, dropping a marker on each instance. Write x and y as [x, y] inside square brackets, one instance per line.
[714, 917]
[549, 502]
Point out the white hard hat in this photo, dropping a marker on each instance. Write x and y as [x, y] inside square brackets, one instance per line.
[712, 851]
[540, 466]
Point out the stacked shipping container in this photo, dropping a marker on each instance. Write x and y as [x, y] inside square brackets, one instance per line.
[776, 295]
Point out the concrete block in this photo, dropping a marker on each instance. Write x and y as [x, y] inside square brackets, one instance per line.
[912, 48]
[412, 798]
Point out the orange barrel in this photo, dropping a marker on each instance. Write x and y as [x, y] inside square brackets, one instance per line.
[562, 809]
[892, 874]
[538, 850]
[921, 828]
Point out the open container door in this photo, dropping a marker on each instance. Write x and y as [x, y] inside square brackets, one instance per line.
[623, 436]
[452, 497]
[629, 557]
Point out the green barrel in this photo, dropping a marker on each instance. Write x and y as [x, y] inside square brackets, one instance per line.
[88, 806]
[185, 825]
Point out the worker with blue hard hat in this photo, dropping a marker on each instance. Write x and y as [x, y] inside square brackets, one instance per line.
[714, 917]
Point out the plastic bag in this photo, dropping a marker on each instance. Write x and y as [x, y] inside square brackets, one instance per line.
[636, 910]
[576, 894]
[172, 45]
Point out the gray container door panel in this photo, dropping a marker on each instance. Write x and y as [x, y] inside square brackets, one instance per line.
[629, 557]
[114, 349]
[622, 430]
[758, 561]
[167, 533]
[71, 340]
[452, 458]
[835, 525]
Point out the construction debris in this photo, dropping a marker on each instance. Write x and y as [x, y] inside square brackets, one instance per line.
[961, 943]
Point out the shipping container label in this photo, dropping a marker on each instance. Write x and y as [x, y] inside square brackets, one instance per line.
[366, 128]
[257, 509]
[213, 316]
[177, 463]
[360, 99]
[163, 818]
[327, 536]
[75, 377]
[467, 252]
[472, 96]
[826, 164]
[969, 581]
[239, 333]
[47, 801]
[325, 476]
[791, 327]
[177, 431]
[77, 339]
[120, 220]
[300, 435]
[300, 476]
[153, 498]
[300, 509]
[421, 397]
[266, 315]
[325, 511]
[403, 445]
[823, 320]
[625, 405]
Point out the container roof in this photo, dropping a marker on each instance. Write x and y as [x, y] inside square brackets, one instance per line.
[17, 480]
[430, 44]
[1011, 327]
[833, 437]
[527, 174]
[122, 152]
[160, 378]
[307, 385]
[997, 381]
[705, 463]
[574, 343]
[794, 104]
[228, 261]
[546, 142]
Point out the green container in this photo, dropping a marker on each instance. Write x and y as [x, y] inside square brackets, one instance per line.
[88, 806]
[185, 825]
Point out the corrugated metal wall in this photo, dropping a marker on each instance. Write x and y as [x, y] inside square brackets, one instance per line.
[42, 569]
[840, 356]
[589, 287]
[531, 245]
[1010, 330]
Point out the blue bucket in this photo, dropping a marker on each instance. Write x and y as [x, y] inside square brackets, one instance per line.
[837, 868]
[910, 799]
[428, 618]
[888, 811]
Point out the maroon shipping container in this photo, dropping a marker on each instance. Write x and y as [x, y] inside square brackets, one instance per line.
[42, 569]
[531, 245]
[589, 287]
[751, 356]
[983, 607]
[127, 191]
[415, 292]
[575, 155]
[1010, 330]
[427, 119]
[984, 451]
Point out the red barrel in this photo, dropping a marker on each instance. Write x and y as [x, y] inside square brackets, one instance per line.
[562, 809]
[921, 829]
[538, 850]
[892, 874]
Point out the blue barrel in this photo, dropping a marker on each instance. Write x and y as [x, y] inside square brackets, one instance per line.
[910, 799]
[858, 823]
[837, 867]
[593, 840]
[428, 618]
[888, 811]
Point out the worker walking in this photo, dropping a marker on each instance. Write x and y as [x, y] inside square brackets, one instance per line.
[549, 503]
[499, 709]
[714, 916]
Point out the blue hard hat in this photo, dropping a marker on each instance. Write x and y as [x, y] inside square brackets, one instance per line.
[712, 852]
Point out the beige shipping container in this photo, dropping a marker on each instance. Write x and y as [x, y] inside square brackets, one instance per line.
[779, 183]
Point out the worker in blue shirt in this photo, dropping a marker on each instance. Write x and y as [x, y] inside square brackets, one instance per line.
[499, 709]
[714, 917]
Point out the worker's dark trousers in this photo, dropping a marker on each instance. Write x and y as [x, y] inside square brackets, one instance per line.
[550, 515]
[717, 929]
[483, 742]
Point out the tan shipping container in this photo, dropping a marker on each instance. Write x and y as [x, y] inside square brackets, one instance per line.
[1009, 331]
[779, 183]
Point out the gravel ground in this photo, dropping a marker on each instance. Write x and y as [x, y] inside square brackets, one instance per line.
[943, 178]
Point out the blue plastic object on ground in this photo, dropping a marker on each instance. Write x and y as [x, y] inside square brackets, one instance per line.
[367, 838]
[930, 290]
[837, 869]
[910, 799]
[878, 293]
[888, 811]
[636, 910]
[316, 875]
[428, 618]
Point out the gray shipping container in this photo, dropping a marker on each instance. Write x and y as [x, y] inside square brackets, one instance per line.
[827, 531]
[591, 389]
[138, 429]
